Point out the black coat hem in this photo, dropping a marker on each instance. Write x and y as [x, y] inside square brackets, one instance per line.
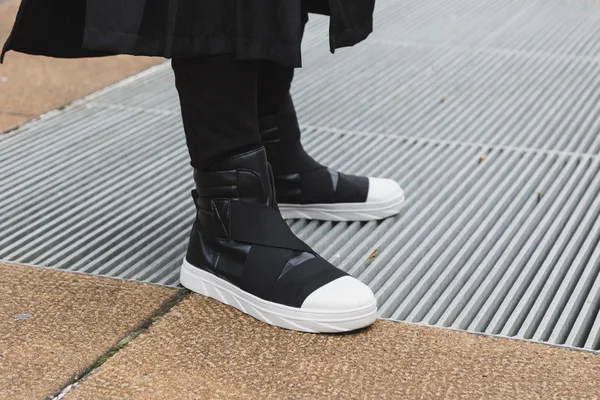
[349, 37]
[32, 45]
[281, 53]
[186, 47]
[46, 28]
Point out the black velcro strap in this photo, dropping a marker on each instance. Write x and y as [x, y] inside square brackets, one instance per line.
[352, 189]
[297, 284]
[262, 269]
[208, 179]
[255, 223]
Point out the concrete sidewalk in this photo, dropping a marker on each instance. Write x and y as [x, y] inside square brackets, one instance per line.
[62, 328]
[54, 326]
[202, 349]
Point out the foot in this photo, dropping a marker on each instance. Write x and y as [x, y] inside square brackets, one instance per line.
[307, 189]
[325, 194]
[242, 253]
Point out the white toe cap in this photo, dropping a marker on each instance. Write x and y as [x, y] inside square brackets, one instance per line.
[383, 190]
[343, 294]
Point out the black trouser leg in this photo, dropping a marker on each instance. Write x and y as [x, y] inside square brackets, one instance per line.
[274, 98]
[218, 97]
[278, 122]
[274, 83]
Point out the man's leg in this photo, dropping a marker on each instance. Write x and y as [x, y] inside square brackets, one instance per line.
[305, 188]
[241, 252]
[218, 107]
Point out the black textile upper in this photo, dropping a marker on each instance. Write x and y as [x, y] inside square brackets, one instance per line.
[249, 29]
[240, 236]
[299, 179]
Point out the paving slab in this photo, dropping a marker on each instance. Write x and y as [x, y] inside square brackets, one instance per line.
[30, 86]
[55, 325]
[202, 349]
[8, 121]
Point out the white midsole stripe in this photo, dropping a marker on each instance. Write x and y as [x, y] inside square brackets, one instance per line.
[193, 278]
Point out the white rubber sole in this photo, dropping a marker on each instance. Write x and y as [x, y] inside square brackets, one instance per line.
[297, 319]
[368, 211]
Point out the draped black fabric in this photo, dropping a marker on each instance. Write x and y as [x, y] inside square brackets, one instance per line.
[248, 29]
[181, 28]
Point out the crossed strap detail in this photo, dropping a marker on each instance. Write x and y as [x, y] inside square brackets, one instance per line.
[279, 267]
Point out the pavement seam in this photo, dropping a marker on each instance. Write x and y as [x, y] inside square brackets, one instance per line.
[18, 114]
[494, 335]
[490, 146]
[491, 50]
[364, 133]
[164, 309]
[147, 73]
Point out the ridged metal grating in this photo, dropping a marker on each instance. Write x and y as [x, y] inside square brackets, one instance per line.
[488, 113]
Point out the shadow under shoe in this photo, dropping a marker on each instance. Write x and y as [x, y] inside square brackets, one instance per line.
[242, 253]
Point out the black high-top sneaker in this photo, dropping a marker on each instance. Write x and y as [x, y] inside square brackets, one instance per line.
[307, 189]
[242, 253]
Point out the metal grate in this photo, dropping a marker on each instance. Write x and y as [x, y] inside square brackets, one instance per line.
[487, 112]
